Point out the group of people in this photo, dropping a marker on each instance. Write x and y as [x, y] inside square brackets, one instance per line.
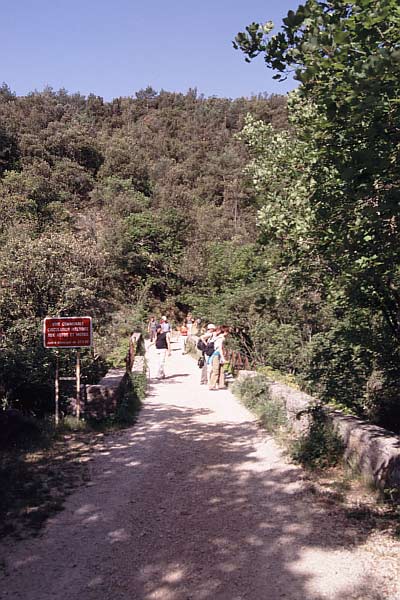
[160, 334]
[190, 326]
[212, 346]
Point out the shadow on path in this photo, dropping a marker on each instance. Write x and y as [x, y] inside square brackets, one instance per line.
[186, 507]
[213, 520]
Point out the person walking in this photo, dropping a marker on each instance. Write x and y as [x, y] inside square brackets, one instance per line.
[196, 327]
[189, 323]
[183, 336]
[163, 349]
[152, 328]
[165, 326]
[217, 360]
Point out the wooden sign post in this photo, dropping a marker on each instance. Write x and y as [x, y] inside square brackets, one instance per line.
[67, 332]
[78, 384]
[57, 392]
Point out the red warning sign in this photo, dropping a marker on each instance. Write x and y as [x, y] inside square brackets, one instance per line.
[67, 332]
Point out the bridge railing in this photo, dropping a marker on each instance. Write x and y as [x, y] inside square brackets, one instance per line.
[238, 360]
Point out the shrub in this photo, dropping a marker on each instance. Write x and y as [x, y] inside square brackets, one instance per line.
[338, 367]
[72, 424]
[24, 432]
[279, 345]
[191, 348]
[255, 395]
[117, 358]
[131, 399]
[321, 446]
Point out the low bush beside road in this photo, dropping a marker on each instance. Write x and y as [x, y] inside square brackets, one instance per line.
[131, 399]
[320, 446]
[254, 393]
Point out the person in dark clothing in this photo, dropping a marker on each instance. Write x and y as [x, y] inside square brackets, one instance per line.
[163, 348]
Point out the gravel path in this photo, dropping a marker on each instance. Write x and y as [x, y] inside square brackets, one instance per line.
[194, 502]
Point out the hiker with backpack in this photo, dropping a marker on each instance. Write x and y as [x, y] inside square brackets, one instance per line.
[206, 346]
[216, 380]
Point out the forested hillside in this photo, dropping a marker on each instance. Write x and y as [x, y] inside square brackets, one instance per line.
[279, 218]
[113, 209]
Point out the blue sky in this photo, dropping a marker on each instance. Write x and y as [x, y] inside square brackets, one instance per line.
[116, 47]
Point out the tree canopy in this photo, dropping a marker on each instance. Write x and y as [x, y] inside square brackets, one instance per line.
[341, 202]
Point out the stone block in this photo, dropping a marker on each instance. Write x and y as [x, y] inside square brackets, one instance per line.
[102, 399]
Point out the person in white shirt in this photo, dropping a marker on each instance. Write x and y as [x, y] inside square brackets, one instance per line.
[217, 360]
[189, 323]
[165, 326]
[205, 338]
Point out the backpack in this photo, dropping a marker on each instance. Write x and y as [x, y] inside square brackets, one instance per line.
[209, 349]
[201, 345]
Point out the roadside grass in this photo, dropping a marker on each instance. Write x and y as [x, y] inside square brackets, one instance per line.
[362, 503]
[254, 393]
[275, 375]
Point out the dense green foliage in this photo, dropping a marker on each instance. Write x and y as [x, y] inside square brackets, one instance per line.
[131, 399]
[330, 196]
[112, 210]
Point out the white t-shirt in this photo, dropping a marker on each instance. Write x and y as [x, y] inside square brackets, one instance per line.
[218, 341]
[218, 346]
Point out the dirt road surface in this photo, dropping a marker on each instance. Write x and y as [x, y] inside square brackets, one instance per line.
[194, 502]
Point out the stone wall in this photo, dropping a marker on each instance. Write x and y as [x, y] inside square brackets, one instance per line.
[136, 347]
[373, 450]
[102, 399]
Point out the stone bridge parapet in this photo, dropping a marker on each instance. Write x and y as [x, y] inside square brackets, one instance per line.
[371, 449]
